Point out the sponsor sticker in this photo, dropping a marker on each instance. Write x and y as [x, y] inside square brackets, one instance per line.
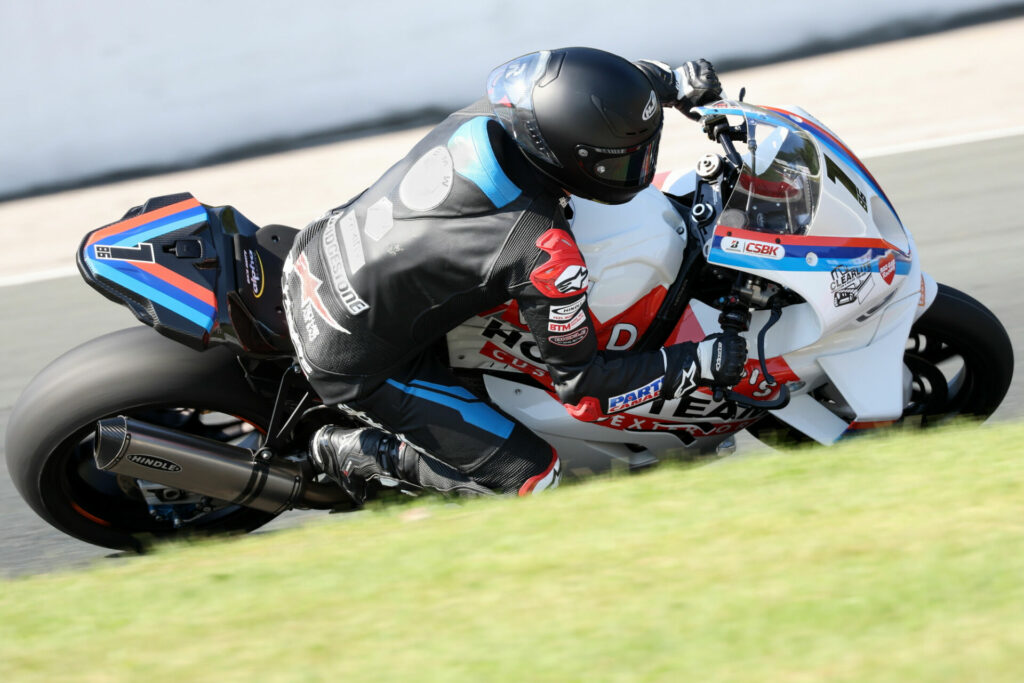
[566, 312]
[349, 229]
[332, 256]
[154, 463]
[567, 326]
[635, 397]
[887, 267]
[571, 339]
[737, 245]
[311, 304]
[253, 266]
[848, 281]
[652, 106]
[493, 352]
[572, 279]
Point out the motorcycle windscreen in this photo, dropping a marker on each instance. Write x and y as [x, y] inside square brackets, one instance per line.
[778, 188]
[807, 217]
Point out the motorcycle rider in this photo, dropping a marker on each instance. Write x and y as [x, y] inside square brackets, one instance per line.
[472, 217]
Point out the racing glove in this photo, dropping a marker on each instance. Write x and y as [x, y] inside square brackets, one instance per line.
[722, 358]
[718, 361]
[685, 87]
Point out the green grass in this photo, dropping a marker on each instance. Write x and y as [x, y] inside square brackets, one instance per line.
[897, 559]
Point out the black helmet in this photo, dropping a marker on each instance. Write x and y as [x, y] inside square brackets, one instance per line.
[588, 119]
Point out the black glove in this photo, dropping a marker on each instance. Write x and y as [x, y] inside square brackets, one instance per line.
[722, 359]
[698, 84]
[685, 87]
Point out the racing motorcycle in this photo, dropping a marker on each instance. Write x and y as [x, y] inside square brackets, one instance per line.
[202, 425]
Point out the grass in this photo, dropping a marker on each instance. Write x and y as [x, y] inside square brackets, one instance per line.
[882, 559]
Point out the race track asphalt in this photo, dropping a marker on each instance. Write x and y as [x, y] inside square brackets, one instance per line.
[960, 202]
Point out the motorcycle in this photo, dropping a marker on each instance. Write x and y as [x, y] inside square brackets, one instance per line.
[792, 244]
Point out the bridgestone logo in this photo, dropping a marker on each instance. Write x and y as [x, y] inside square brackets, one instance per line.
[336, 268]
[154, 463]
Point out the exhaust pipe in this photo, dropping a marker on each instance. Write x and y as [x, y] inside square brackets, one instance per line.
[207, 467]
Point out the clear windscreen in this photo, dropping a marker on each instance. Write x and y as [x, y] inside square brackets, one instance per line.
[779, 184]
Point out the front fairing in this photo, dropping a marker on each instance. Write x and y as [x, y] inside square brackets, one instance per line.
[841, 247]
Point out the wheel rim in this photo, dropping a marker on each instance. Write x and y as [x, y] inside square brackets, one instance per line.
[118, 503]
[944, 377]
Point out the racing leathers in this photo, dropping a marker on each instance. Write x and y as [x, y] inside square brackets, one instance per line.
[459, 226]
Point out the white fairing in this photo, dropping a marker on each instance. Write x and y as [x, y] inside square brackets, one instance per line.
[851, 261]
[630, 249]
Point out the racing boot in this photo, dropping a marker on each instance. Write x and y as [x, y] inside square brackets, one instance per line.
[360, 460]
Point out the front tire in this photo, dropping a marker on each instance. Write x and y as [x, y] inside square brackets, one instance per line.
[136, 372]
[961, 361]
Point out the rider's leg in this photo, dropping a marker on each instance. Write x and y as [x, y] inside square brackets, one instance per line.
[447, 438]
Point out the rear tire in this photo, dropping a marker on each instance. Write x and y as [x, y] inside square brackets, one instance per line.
[961, 359]
[136, 372]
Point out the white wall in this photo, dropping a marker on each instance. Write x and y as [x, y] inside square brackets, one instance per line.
[96, 86]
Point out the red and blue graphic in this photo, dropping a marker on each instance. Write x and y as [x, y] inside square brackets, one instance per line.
[122, 254]
[836, 146]
[824, 136]
[809, 253]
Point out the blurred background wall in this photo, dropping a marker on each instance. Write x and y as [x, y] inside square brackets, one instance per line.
[103, 87]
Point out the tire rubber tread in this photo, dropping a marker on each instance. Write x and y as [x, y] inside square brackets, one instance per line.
[112, 374]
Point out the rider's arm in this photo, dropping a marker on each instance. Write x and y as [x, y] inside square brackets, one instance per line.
[685, 87]
[552, 301]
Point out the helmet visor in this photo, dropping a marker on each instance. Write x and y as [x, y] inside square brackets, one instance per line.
[510, 91]
[623, 167]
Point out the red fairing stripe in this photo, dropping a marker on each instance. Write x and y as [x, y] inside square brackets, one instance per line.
[547, 479]
[805, 240]
[565, 272]
[639, 316]
[128, 224]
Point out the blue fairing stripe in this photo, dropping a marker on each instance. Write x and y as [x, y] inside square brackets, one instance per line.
[474, 160]
[142, 233]
[134, 282]
[130, 270]
[796, 258]
[476, 413]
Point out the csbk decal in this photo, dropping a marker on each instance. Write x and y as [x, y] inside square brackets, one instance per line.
[635, 397]
[568, 326]
[887, 267]
[738, 245]
[565, 271]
